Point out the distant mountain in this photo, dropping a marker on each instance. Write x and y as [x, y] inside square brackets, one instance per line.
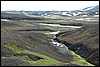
[91, 8]
[88, 11]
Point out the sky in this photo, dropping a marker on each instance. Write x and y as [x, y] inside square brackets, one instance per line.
[46, 5]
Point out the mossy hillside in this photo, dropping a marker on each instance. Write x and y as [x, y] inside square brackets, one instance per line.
[79, 60]
[46, 61]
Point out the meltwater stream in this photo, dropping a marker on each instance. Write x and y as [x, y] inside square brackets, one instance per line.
[63, 49]
[60, 46]
[56, 32]
[58, 25]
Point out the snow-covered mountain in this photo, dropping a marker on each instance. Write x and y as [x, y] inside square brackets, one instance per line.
[88, 11]
[91, 8]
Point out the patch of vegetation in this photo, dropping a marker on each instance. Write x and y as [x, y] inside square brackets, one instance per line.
[47, 61]
[13, 47]
[79, 60]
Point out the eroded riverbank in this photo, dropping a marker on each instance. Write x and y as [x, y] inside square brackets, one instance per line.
[63, 49]
[84, 42]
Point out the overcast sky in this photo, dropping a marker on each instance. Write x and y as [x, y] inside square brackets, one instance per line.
[46, 5]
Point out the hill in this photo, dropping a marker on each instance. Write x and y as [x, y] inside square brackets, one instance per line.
[84, 41]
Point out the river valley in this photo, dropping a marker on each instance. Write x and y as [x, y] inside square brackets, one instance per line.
[27, 41]
[62, 48]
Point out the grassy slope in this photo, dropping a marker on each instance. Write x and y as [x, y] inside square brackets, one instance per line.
[47, 61]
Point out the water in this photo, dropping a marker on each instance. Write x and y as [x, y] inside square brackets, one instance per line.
[54, 32]
[63, 49]
[58, 25]
[4, 20]
[57, 44]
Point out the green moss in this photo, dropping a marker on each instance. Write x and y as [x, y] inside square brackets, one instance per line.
[79, 60]
[46, 61]
[13, 47]
[82, 63]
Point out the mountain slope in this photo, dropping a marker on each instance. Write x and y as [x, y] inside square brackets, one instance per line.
[91, 8]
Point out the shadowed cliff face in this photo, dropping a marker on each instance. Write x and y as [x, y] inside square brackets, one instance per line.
[84, 41]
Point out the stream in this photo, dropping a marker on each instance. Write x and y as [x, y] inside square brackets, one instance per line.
[56, 32]
[58, 25]
[63, 49]
[60, 46]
